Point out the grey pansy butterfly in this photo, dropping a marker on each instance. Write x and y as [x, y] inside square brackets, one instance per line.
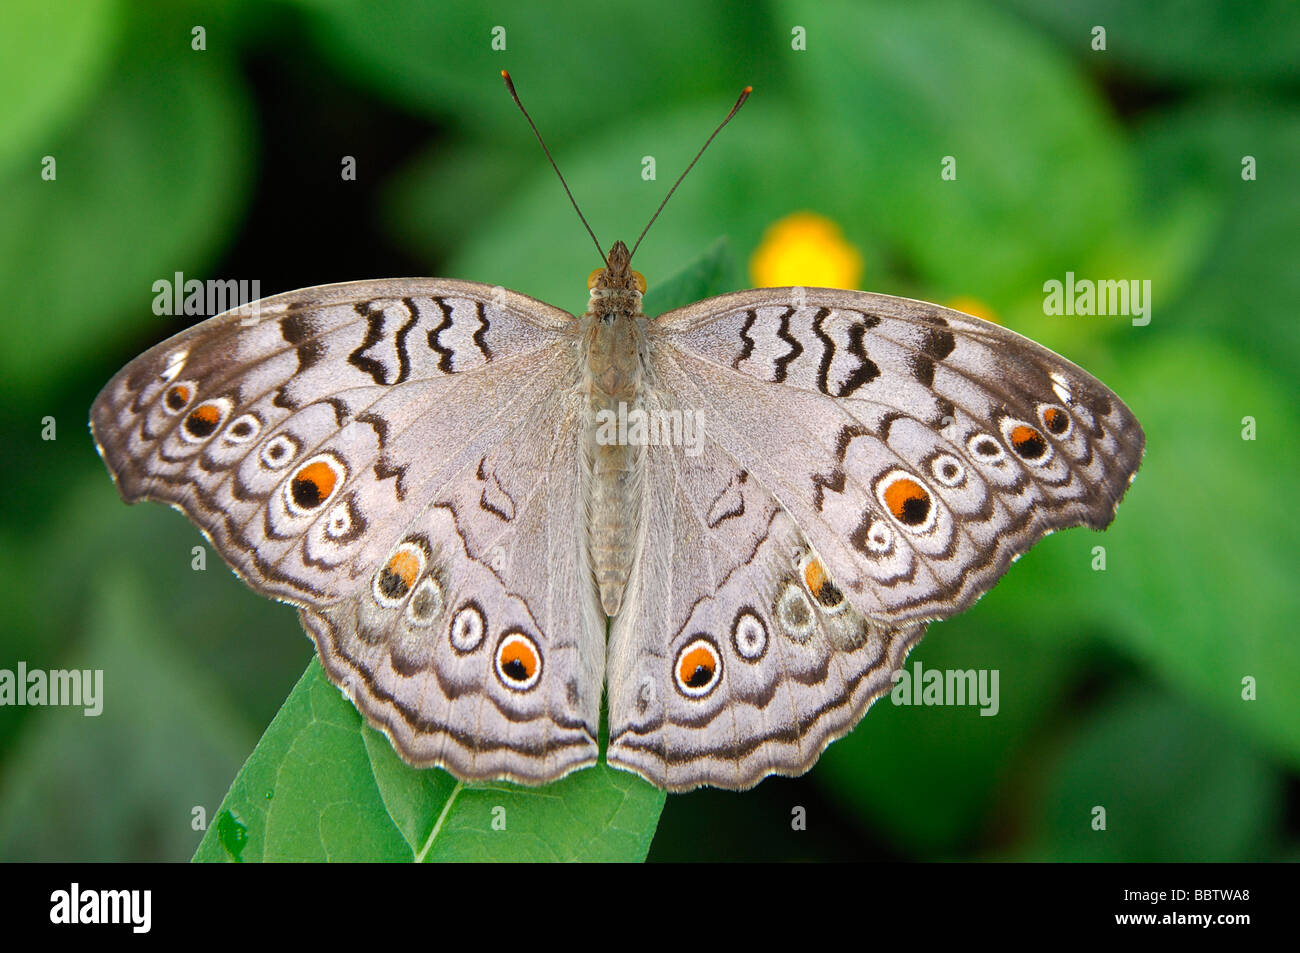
[459, 485]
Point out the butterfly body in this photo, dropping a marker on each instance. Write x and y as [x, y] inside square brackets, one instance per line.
[425, 468]
[613, 332]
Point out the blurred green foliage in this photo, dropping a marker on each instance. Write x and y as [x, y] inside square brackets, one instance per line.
[1121, 688]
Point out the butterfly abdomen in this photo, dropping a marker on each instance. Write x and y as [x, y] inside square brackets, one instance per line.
[613, 366]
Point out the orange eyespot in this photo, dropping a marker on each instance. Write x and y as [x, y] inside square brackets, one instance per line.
[908, 501]
[399, 574]
[313, 484]
[594, 277]
[177, 397]
[820, 585]
[698, 668]
[640, 281]
[1057, 421]
[203, 420]
[405, 565]
[814, 574]
[1028, 442]
[519, 663]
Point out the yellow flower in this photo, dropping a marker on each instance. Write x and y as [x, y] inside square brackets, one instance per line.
[805, 249]
[973, 306]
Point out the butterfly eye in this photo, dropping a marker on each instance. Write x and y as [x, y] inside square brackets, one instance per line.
[640, 281]
[594, 277]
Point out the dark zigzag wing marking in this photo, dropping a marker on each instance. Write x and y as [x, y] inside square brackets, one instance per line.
[484, 503]
[781, 364]
[737, 510]
[300, 331]
[445, 355]
[385, 470]
[374, 318]
[481, 332]
[935, 346]
[747, 342]
[828, 350]
[864, 373]
[867, 370]
[399, 344]
[834, 480]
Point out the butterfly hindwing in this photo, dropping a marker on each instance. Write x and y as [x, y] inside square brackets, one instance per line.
[735, 655]
[476, 646]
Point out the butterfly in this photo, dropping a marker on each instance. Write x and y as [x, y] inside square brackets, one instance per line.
[731, 522]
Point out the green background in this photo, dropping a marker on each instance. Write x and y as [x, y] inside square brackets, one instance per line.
[1121, 688]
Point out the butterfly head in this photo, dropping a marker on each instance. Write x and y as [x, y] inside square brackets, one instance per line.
[616, 287]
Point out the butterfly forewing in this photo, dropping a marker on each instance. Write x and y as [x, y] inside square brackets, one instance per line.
[381, 454]
[921, 449]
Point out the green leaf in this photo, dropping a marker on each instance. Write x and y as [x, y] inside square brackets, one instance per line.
[714, 273]
[440, 58]
[1187, 41]
[146, 185]
[53, 53]
[123, 784]
[1040, 170]
[1245, 283]
[1176, 786]
[322, 785]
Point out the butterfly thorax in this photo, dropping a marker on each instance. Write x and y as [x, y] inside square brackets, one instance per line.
[613, 341]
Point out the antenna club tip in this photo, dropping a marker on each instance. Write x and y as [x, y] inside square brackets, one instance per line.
[505, 75]
[748, 89]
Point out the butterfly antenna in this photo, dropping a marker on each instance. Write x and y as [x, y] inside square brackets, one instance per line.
[510, 85]
[744, 95]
